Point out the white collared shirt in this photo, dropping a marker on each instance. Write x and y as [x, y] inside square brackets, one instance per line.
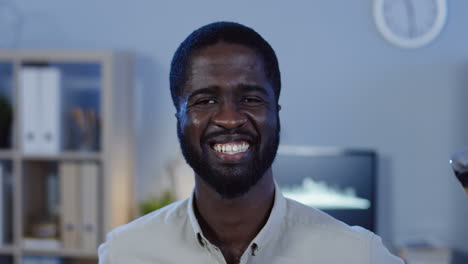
[294, 233]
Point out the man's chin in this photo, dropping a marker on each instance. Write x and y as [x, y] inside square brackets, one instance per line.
[229, 179]
[230, 182]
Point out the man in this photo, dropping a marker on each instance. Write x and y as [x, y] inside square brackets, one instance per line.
[225, 84]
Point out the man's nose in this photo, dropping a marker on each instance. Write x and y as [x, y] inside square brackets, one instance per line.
[229, 117]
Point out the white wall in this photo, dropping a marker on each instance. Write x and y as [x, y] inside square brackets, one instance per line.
[343, 85]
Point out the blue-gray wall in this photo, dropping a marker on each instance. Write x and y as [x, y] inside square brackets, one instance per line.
[343, 85]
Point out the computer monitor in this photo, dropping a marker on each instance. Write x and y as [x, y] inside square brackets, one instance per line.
[340, 182]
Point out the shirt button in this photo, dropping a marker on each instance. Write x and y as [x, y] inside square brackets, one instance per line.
[201, 240]
[254, 249]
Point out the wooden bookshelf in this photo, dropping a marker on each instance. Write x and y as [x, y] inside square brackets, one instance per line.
[102, 82]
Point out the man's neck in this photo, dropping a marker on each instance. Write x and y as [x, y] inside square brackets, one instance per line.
[231, 224]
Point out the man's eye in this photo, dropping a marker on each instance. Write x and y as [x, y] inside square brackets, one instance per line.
[251, 100]
[206, 101]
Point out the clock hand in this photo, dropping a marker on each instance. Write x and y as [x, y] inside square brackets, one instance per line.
[411, 18]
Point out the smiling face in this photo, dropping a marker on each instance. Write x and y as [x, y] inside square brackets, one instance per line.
[228, 123]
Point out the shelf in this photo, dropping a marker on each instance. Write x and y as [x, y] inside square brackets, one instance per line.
[7, 250]
[65, 156]
[67, 253]
[6, 154]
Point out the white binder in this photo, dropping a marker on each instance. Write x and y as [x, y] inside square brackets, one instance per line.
[49, 131]
[89, 206]
[30, 107]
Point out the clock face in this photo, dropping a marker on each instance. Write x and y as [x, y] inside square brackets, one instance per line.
[410, 23]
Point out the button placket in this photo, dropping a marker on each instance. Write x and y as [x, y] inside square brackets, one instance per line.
[216, 252]
[211, 250]
[201, 241]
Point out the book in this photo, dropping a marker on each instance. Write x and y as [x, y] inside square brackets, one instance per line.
[89, 176]
[70, 204]
[53, 195]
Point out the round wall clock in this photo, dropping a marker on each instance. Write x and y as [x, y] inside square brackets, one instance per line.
[410, 23]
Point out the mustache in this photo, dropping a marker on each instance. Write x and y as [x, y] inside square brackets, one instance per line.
[236, 131]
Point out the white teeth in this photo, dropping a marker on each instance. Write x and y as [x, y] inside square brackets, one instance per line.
[230, 148]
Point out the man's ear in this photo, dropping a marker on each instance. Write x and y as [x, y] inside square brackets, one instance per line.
[279, 107]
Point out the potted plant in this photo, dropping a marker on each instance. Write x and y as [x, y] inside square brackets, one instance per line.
[155, 203]
[6, 118]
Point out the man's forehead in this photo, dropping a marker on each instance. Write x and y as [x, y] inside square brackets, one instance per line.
[235, 67]
[227, 65]
[224, 54]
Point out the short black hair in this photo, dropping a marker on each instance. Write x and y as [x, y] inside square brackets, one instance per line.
[211, 34]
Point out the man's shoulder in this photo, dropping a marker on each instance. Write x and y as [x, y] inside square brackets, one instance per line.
[312, 219]
[155, 237]
[157, 222]
[319, 231]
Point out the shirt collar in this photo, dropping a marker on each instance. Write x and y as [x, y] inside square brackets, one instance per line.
[193, 219]
[273, 224]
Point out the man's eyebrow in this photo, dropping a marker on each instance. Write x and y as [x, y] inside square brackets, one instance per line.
[253, 88]
[207, 90]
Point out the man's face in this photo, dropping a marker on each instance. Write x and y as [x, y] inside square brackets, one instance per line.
[228, 123]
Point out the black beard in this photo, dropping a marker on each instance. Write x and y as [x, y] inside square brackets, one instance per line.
[230, 181]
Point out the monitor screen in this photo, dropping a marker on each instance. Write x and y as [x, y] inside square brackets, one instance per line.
[336, 181]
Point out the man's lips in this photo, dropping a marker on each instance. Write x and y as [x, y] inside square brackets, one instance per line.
[229, 139]
[233, 151]
[231, 147]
